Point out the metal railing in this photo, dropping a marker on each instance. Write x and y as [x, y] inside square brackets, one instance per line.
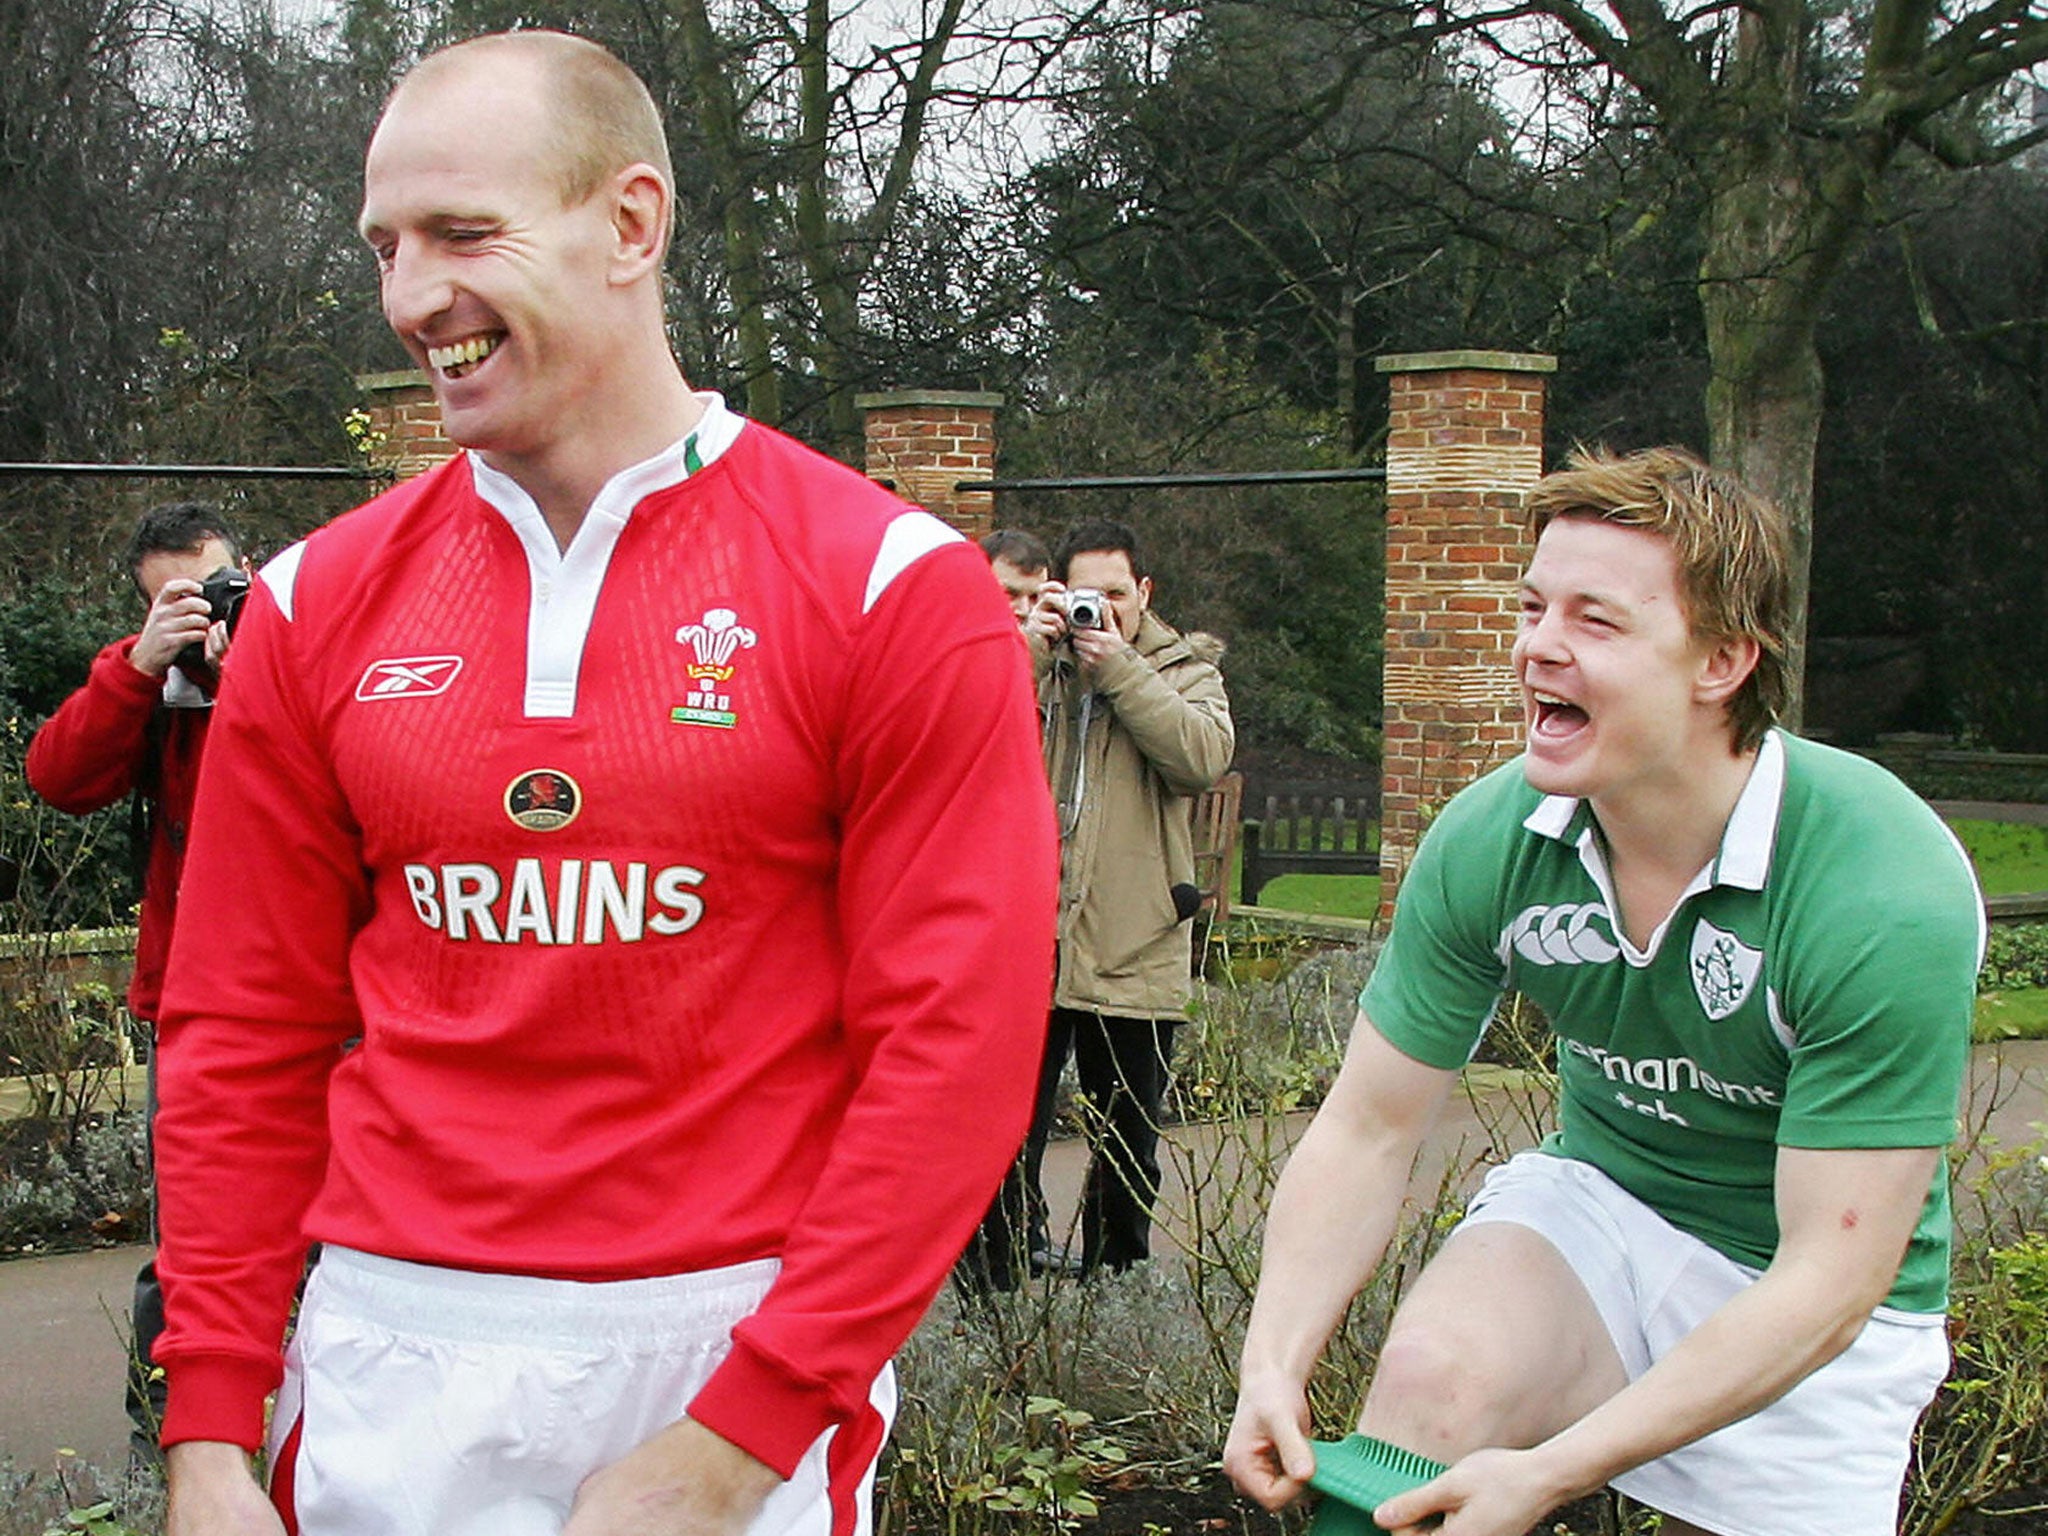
[196, 471]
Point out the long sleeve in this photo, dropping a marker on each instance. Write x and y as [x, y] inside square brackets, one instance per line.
[241, 1136]
[86, 755]
[946, 895]
[1181, 724]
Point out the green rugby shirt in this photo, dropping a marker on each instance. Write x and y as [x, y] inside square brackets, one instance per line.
[1812, 988]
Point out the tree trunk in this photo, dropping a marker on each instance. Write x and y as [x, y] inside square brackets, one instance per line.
[1763, 408]
[1348, 414]
[745, 244]
[827, 262]
[1764, 268]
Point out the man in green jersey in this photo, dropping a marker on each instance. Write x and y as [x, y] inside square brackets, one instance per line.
[1719, 1286]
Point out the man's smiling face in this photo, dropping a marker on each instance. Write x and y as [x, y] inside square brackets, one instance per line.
[1610, 672]
[493, 283]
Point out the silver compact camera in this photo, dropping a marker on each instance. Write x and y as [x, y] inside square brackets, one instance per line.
[1087, 608]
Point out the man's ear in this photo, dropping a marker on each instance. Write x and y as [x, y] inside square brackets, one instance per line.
[1725, 667]
[641, 209]
[1144, 593]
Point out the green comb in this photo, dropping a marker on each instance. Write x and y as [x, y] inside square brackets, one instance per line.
[1356, 1475]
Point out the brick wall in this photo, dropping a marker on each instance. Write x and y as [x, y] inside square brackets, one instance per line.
[405, 422]
[922, 441]
[1465, 440]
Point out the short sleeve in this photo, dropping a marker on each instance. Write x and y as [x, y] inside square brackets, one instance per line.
[1879, 995]
[1436, 982]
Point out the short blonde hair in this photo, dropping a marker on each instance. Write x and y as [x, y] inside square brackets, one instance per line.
[605, 118]
[1733, 548]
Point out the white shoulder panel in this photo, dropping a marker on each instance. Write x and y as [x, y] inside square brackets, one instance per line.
[1787, 1035]
[908, 539]
[281, 575]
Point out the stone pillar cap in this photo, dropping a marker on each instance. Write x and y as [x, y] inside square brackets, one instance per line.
[403, 378]
[1442, 362]
[984, 399]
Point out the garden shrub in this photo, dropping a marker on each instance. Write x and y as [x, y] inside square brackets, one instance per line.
[1064, 1407]
[2015, 955]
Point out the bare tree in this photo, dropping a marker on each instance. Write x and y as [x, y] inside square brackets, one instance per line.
[1790, 117]
[1307, 188]
[820, 121]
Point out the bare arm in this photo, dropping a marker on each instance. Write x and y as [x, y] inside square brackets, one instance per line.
[1333, 1214]
[685, 1481]
[1844, 1220]
[214, 1493]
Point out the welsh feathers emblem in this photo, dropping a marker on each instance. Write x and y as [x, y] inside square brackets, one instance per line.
[715, 640]
[1724, 969]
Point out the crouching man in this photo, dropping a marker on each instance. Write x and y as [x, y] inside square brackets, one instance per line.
[1720, 1285]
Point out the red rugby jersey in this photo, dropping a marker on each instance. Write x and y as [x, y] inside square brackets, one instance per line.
[692, 891]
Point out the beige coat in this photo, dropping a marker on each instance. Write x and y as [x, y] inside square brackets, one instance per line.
[1158, 734]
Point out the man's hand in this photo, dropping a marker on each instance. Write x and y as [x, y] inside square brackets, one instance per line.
[178, 618]
[1488, 1493]
[1267, 1454]
[214, 1492]
[1092, 647]
[217, 638]
[685, 1481]
[1046, 623]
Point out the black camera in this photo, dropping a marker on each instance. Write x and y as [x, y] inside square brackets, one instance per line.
[224, 592]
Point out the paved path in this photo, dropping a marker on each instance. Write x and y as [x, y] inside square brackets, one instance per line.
[62, 1319]
[62, 1325]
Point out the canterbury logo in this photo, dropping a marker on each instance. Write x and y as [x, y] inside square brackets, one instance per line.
[408, 677]
[1564, 935]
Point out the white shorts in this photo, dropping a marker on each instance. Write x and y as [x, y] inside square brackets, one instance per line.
[1826, 1459]
[434, 1402]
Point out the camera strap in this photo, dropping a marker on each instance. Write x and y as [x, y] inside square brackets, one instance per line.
[1070, 807]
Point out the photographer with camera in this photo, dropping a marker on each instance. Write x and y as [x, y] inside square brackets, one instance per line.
[137, 728]
[1136, 725]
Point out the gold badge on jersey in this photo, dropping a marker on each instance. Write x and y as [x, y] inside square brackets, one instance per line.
[543, 800]
[715, 639]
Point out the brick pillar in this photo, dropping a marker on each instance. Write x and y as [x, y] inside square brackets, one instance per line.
[922, 441]
[405, 423]
[1465, 441]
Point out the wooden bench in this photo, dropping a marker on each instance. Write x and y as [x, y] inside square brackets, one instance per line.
[1308, 827]
[1217, 811]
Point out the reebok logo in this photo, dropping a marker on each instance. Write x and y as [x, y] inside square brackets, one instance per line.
[408, 677]
[1572, 934]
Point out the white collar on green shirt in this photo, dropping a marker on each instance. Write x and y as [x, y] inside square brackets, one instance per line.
[1746, 843]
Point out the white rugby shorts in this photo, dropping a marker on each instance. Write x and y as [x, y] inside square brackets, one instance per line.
[421, 1401]
[1826, 1459]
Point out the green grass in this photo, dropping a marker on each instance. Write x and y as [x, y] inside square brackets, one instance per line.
[2010, 858]
[2020, 1015]
[1325, 895]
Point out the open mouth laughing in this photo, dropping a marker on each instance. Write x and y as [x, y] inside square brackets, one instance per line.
[460, 358]
[1556, 717]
